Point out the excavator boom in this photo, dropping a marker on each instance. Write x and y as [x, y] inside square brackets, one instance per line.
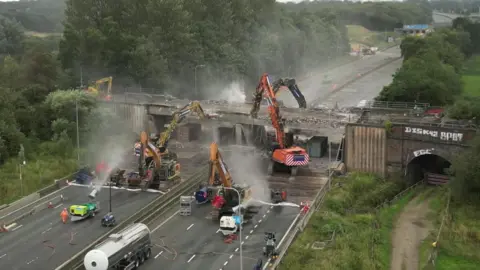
[177, 118]
[292, 86]
[217, 165]
[292, 156]
[96, 88]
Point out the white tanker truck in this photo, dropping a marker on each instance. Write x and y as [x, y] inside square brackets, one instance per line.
[124, 250]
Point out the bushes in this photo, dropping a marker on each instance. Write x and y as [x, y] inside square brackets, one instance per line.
[348, 210]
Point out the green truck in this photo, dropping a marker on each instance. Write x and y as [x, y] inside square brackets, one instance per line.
[83, 211]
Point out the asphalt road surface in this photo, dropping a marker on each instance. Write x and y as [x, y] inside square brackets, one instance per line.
[42, 241]
[193, 242]
[319, 85]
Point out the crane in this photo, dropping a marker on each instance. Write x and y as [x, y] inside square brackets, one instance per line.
[282, 155]
[177, 118]
[95, 90]
[292, 86]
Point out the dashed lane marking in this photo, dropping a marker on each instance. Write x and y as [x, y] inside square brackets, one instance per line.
[3, 256]
[160, 253]
[189, 227]
[191, 258]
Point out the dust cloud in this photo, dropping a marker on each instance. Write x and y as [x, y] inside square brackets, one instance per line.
[232, 93]
[245, 168]
[109, 140]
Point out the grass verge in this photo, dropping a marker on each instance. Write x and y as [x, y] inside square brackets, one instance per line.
[349, 211]
[36, 174]
[471, 77]
[459, 239]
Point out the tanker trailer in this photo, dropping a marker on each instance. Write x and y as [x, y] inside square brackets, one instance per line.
[124, 250]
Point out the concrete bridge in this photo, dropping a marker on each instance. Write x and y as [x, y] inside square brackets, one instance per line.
[409, 148]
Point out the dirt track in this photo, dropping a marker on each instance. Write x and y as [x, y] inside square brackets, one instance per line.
[412, 227]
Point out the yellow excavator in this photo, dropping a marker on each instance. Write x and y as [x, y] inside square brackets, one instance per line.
[96, 91]
[223, 199]
[177, 118]
[157, 162]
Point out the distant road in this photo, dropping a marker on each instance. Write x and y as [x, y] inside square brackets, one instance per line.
[42, 241]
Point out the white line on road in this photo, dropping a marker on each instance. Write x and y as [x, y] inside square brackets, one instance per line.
[246, 238]
[264, 216]
[236, 249]
[165, 221]
[251, 231]
[283, 239]
[225, 263]
[46, 230]
[18, 227]
[260, 221]
[190, 226]
[217, 231]
[191, 258]
[3, 256]
[231, 256]
[256, 225]
[160, 253]
[58, 205]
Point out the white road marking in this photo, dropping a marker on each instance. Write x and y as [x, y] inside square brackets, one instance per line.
[3, 256]
[243, 242]
[18, 227]
[251, 231]
[46, 230]
[58, 205]
[190, 226]
[246, 238]
[217, 231]
[260, 221]
[163, 223]
[256, 225]
[268, 211]
[264, 216]
[191, 258]
[160, 253]
[236, 249]
[32, 261]
[11, 226]
[225, 263]
[231, 256]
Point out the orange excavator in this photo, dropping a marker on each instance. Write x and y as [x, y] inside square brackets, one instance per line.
[282, 155]
[292, 86]
[218, 188]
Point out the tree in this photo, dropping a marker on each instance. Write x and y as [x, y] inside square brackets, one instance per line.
[11, 37]
[424, 79]
[465, 184]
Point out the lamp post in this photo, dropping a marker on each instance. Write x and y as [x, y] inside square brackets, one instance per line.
[21, 156]
[78, 132]
[241, 221]
[195, 79]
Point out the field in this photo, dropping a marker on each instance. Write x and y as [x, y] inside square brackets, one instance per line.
[359, 35]
[459, 240]
[349, 232]
[471, 77]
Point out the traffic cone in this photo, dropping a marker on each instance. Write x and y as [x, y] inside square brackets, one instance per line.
[50, 205]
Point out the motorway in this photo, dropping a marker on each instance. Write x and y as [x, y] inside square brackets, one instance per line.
[314, 88]
[193, 242]
[42, 241]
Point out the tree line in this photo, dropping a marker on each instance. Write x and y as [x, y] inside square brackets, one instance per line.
[145, 43]
[160, 45]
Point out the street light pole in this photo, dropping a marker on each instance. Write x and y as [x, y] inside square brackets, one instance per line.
[195, 79]
[78, 132]
[241, 224]
[110, 197]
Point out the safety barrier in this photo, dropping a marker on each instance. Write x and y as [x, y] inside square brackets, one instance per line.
[146, 215]
[302, 222]
[32, 203]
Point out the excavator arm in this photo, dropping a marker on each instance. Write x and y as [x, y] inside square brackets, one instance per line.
[292, 86]
[148, 147]
[96, 88]
[265, 90]
[217, 165]
[177, 118]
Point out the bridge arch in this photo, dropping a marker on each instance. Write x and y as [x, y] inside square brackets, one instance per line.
[429, 160]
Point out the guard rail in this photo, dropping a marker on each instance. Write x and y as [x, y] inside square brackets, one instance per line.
[146, 215]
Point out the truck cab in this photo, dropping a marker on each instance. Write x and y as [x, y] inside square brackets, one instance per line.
[230, 224]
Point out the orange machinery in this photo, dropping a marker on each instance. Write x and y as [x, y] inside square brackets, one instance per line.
[282, 155]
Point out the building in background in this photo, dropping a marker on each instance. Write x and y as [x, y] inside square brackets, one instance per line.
[415, 29]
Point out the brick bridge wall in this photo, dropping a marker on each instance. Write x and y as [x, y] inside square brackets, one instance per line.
[372, 149]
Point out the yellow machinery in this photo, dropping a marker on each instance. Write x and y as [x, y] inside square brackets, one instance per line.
[225, 198]
[95, 89]
[177, 118]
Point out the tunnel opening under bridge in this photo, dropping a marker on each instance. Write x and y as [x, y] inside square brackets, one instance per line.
[433, 168]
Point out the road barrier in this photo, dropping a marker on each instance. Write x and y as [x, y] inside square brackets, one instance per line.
[146, 215]
[300, 225]
[28, 204]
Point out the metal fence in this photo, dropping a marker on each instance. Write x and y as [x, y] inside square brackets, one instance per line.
[432, 257]
[396, 105]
